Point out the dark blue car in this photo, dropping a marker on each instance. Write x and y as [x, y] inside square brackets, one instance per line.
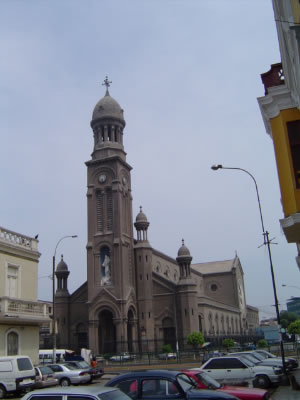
[163, 385]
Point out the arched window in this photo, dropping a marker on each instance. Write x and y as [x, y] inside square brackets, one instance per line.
[12, 343]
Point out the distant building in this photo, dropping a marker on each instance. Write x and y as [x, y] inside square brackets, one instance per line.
[20, 313]
[293, 305]
[137, 298]
[280, 109]
[270, 330]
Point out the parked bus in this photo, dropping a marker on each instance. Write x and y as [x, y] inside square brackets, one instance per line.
[46, 356]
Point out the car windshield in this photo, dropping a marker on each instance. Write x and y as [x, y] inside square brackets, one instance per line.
[70, 366]
[82, 364]
[252, 358]
[185, 382]
[24, 364]
[46, 370]
[247, 361]
[208, 381]
[258, 355]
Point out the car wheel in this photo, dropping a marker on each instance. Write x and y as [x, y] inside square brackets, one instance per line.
[2, 392]
[65, 382]
[261, 381]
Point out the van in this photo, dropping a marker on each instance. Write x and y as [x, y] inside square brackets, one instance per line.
[16, 374]
[46, 356]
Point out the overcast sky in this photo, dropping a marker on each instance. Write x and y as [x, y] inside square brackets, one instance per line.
[187, 74]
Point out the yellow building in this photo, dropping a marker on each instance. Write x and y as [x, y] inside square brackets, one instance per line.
[20, 313]
[280, 109]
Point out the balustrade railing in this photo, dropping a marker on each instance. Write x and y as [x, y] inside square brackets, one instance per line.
[22, 307]
[18, 239]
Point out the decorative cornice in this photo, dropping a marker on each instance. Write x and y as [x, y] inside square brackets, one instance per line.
[278, 98]
[291, 220]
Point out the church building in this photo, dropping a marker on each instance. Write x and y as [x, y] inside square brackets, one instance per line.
[136, 298]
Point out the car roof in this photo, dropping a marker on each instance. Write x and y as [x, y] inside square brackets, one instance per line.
[92, 390]
[151, 372]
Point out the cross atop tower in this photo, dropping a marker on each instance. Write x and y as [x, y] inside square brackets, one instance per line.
[107, 84]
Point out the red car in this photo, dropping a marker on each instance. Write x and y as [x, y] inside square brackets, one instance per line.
[204, 381]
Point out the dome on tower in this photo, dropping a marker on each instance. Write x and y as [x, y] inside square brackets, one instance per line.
[183, 251]
[61, 266]
[141, 217]
[107, 107]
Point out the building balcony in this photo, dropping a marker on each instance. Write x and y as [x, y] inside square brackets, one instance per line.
[17, 239]
[22, 311]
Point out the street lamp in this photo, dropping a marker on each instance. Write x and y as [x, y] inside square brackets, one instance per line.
[53, 296]
[265, 233]
[296, 287]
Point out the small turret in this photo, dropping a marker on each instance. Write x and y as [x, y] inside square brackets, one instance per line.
[141, 225]
[184, 259]
[62, 274]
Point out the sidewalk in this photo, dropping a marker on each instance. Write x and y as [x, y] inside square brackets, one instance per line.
[287, 392]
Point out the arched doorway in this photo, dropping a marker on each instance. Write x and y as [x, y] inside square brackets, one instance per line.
[106, 332]
[130, 317]
[12, 344]
[169, 332]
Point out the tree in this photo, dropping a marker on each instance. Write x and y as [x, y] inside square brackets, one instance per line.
[167, 348]
[289, 316]
[195, 339]
[227, 343]
[294, 327]
[262, 343]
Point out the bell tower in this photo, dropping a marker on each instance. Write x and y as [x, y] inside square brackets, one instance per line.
[110, 273]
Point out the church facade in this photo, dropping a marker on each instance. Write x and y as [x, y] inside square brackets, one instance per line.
[137, 298]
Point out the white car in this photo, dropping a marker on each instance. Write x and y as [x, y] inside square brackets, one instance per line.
[236, 370]
[68, 374]
[292, 362]
[258, 359]
[122, 357]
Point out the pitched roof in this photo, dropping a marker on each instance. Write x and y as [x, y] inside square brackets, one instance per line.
[214, 267]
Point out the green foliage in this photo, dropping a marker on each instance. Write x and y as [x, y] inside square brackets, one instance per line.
[195, 339]
[289, 316]
[294, 327]
[167, 348]
[284, 323]
[227, 343]
[107, 356]
[262, 343]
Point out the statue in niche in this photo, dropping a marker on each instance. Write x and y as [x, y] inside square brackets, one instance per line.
[105, 267]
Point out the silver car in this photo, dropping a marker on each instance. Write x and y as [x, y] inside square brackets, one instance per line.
[68, 374]
[86, 393]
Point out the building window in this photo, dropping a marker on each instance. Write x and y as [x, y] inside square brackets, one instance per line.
[99, 211]
[213, 287]
[294, 139]
[12, 344]
[12, 281]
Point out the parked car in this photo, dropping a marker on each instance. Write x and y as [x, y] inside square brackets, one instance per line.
[122, 357]
[257, 359]
[94, 372]
[290, 360]
[163, 385]
[16, 374]
[167, 356]
[44, 377]
[233, 369]
[68, 374]
[204, 381]
[87, 393]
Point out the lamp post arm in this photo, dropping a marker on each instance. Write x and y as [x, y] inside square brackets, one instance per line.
[256, 187]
